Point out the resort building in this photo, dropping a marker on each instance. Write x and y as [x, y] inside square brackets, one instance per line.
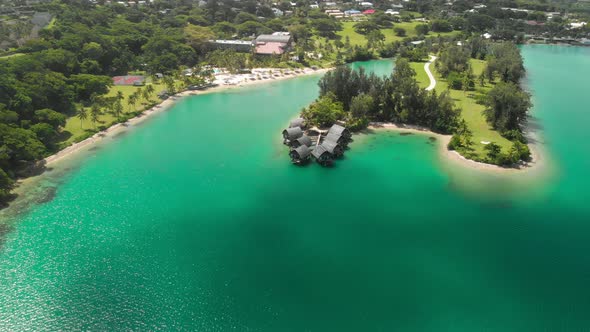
[334, 13]
[322, 156]
[300, 155]
[334, 148]
[352, 13]
[577, 25]
[303, 140]
[236, 45]
[135, 80]
[336, 138]
[299, 122]
[340, 131]
[277, 43]
[291, 134]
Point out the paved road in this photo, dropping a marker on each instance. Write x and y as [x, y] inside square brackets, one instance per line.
[430, 76]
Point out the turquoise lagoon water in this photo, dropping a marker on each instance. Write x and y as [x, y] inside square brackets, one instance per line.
[196, 220]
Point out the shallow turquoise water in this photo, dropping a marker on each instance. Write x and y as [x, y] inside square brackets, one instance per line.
[196, 220]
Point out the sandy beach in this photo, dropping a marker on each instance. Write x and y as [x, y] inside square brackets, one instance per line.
[456, 158]
[244, 81]
[239, 81]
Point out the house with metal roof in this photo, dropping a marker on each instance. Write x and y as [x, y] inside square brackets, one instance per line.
[236, 45]
[277, 43]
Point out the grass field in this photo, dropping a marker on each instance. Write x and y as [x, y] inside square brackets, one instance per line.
[74, 129]
[410, 27]
[471, 111]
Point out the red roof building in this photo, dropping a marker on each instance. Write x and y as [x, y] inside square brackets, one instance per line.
[277, 43]
[128, 80]
[269, 48]
[369, 12]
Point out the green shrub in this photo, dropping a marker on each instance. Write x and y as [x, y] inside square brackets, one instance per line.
[455, 80]
[454, 143]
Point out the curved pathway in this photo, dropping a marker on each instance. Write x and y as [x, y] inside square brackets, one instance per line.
[430, 76]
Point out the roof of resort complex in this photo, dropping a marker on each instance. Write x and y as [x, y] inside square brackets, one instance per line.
[332, 146]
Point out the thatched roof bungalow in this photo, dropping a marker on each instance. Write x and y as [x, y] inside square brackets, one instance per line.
[291, 134]
[335, 149]
[322, 156]
[299, 122]
[341, 131]
[336, 138]
[300, 155]
[303, 140]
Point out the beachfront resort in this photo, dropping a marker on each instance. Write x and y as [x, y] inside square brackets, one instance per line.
[144, 187]
[322, 145]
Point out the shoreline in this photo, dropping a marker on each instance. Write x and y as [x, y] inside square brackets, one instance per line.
[455, 157]
[22, 185]
[160, 108]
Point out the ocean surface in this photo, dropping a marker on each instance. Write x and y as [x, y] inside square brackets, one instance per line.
[196, 220]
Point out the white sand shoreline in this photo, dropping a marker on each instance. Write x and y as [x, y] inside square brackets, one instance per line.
[112, 131]
[161, 107]
[455, 157]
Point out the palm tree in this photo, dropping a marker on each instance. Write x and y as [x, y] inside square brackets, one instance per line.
[132, 100]
[120, 95]
[170, 86]
[94, 113]
[118, 108]
[82, 115]
[148, 92]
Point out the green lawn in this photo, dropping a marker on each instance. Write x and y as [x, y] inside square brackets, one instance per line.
[421, 75]
[74, 130]
[472, 112]
[410, 27]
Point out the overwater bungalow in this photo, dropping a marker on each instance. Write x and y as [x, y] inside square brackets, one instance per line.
[338, 139]
[303, 140]
[334, 148]
[299, 122]
[300, 155]
[341, 131]
[291, 134]
[322, 156]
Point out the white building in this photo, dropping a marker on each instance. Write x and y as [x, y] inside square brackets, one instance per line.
[577, 25]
